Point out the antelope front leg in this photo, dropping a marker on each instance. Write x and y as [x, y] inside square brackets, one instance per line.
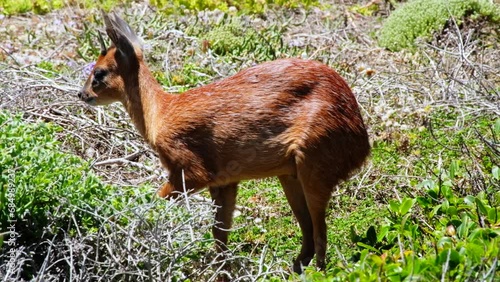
[165, 190]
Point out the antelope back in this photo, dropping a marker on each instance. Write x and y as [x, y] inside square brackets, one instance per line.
[262, 122]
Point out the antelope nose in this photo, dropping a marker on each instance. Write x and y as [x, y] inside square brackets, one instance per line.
[80, 94]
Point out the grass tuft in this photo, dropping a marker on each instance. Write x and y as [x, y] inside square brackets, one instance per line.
[421, 18]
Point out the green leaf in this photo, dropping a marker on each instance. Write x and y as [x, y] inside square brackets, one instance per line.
[449, 256]
[364, 253]
[493, 215]
[469, 200]
[423, 202]
[377, 260]
[446, 190]
[394, 269]
[454, 166]
[403, 222]
[445, 205]
[367, 247]
[475, 252]
[452, 210]
[354, 237]
[463, 229]
[482, 208]
[432, 193]
[495, 171]
[428, 184]
[394, 206]
[382, 233]
[444, 242]
[406, 205]
[434, 210]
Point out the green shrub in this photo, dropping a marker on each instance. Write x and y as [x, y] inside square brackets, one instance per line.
[236, 38]
[9, 7]
[54, 211]
[43, 190]
[246, 6]
[229, 37]
[12, 7]
[420, 18]
[436, 236]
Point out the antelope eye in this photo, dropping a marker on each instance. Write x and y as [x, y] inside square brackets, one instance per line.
[99, 74]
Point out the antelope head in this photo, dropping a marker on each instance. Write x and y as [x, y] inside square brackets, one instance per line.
[116, 70]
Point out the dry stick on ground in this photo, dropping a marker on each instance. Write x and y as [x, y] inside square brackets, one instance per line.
[125, 160]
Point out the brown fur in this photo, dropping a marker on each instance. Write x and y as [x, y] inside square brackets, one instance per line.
[290, 118]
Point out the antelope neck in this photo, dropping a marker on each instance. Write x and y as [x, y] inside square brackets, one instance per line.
[143, 104]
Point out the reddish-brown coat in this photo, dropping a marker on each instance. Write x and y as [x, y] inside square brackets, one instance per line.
[260, 123]
[291, 118]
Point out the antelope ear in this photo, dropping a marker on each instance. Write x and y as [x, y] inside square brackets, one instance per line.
[104, 49]
[121, 34]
